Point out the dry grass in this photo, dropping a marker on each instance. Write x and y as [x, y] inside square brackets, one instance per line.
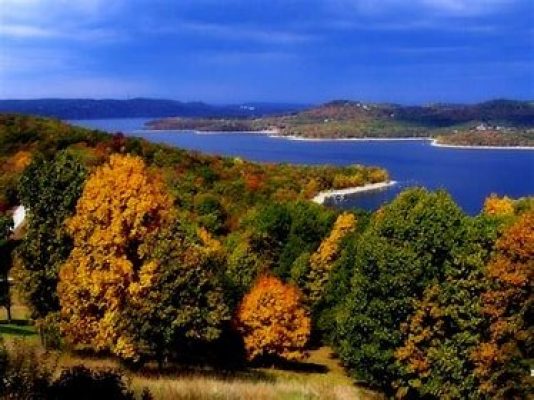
[325, 379]
[320, 377]
[202, 388]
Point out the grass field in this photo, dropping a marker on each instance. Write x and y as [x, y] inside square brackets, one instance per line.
[320, 377]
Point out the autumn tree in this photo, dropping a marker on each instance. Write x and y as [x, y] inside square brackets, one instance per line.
[123, 203]
[500, 206]
[322, 261]
[272, 321]
[501, 358]
[49, 191]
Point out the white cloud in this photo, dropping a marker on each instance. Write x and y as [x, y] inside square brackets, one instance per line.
[74, 19]
[26, 31]
[466, 7]
[444, 7]
[235, 32]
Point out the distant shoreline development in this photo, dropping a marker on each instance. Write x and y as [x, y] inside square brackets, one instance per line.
[321, 197]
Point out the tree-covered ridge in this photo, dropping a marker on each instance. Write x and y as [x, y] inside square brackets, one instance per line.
[138, 108]
[216, 189]
[513, 120]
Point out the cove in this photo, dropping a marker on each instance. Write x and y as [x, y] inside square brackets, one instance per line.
[469, 175]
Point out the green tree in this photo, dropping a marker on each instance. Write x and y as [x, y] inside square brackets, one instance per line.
[406, 247]
[211, 213]
[447, 323]
[178, 300]
[310, 223]
[6, 250]
[49, 190]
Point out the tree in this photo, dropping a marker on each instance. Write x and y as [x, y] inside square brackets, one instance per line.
[272, 321]
[6, 250]
[210, 213]
[49, 190]
[178, 300]
[122, 204]
[322, 261]
[244, 265]
[310, 223]
[447, 323]
[406, 247]
[500, 206]
[508, 306]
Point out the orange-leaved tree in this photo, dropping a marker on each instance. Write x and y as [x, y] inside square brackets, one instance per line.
[322, 261]
[122, 203]
[501, 358]
[272, 321]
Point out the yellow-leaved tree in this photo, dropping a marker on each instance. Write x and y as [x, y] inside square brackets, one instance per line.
[272, 321]
[322, 261]
[495, 205]
[122, 203]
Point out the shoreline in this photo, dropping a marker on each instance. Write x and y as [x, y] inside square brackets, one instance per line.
[197, 132]
[321, 197]
[274, 134]
[351, 139]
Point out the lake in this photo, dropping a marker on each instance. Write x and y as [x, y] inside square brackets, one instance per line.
[470, 175]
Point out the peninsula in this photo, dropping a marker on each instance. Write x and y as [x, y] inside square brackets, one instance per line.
[501, 123]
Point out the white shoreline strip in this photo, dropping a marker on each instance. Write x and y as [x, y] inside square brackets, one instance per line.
[364, 139]
[322, 196]
[435, 143]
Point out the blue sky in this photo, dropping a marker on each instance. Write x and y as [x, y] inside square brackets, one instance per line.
[307, 51]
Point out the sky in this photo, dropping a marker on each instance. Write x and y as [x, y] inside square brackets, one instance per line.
[297, 51]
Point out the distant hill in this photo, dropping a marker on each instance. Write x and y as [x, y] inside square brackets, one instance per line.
[500, 122]
[139, 108]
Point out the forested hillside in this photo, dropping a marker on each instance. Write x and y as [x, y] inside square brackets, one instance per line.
[172, 263]
[512, 122]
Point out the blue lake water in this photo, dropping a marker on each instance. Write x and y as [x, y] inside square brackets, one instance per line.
[470, 175]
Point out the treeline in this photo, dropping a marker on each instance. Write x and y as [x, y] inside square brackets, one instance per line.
[132, 254]
[192, 177]
[491, 138]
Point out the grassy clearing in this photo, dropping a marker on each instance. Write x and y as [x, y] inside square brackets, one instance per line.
[19, 326]
[321, 376]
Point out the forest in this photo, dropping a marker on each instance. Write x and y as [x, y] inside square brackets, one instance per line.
[159, 259]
